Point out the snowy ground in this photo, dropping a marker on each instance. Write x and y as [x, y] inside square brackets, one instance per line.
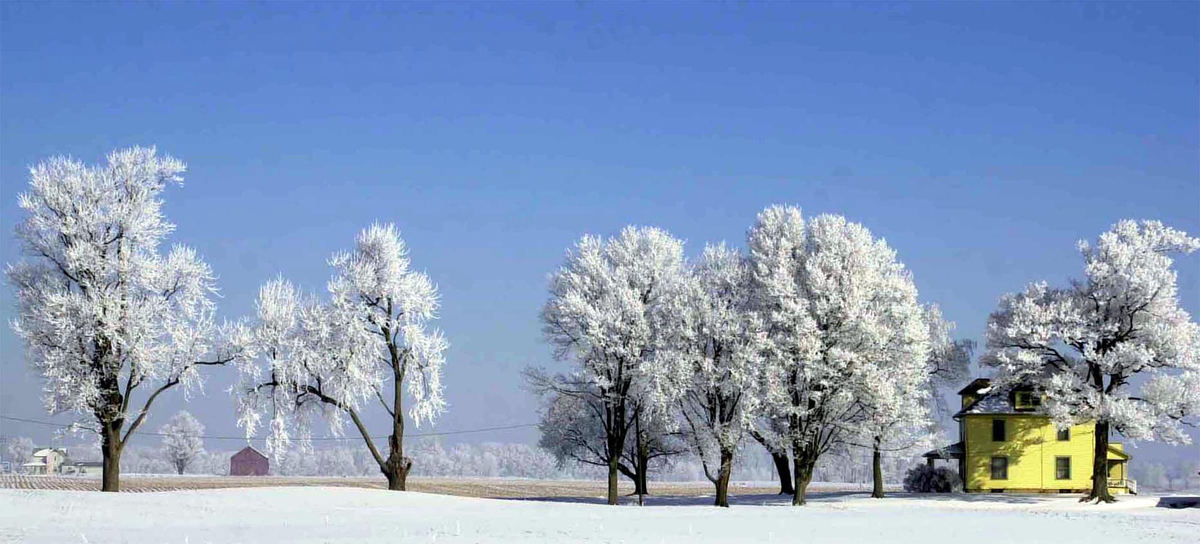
[313, 514]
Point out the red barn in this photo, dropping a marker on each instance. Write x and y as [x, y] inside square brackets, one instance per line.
[248, 462]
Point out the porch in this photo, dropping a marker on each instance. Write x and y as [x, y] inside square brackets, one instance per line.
[954, 451]
[1119, 482]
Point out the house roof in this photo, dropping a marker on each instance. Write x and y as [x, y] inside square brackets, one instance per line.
[975, 386]
[994, 400]
[250, 449]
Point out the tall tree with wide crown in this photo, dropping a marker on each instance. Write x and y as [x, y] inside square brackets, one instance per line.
[103, 313]
[605, 313]
[1087, 347]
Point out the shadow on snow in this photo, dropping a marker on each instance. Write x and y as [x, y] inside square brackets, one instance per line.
[818, 497]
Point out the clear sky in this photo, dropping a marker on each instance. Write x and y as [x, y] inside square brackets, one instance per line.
[981, 140]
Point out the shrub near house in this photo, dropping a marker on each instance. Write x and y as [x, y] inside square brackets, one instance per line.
[1008, 446]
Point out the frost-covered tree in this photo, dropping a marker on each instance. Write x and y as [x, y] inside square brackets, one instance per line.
[1184, 474]
[949, 365]
[652, 442]
[182, 441]
[103, 313]
[1082, 346]
[572, 422]
[19, 449]
[904, 405]
[894, 398]
[145, 460]
[605, 312]
[776, 246]
[573, 431]
[1151, 475]
[369, 344]
[215, 463]
[838, 308]
[780, 456]
[334, 462]
[720, 346]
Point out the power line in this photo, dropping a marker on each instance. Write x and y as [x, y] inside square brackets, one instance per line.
[315, 439]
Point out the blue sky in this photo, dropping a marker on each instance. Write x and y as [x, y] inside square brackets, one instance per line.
[982, 140]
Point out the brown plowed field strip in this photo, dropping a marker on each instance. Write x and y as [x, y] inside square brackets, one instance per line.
[464, 487]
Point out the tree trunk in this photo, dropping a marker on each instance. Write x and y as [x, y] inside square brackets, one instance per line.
[723, 475]
[640, 487]
[110, 448]
[396, 472]
[802, 471]
[877, 471]
[782, 467]
[613, 479]
[1099, 491]
[802, 477]
[641, 468]
[396, 467]
[782, 464]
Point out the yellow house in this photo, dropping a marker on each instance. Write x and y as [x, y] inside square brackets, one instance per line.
[1006, 446]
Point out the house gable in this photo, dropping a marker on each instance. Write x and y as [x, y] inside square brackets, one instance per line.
[249, 453]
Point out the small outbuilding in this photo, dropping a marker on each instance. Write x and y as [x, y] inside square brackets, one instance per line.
[248, 462]
[84, 468]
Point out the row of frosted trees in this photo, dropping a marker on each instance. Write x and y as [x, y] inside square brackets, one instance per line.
[814, 339]
[111, 322]
[811, 339]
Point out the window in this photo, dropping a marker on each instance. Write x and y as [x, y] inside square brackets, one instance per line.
[998, 434]
[1026, 400]
[1062, 468]
[999, 468]
[1064, 435]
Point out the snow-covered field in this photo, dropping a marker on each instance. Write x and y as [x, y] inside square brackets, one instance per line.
[313, 514]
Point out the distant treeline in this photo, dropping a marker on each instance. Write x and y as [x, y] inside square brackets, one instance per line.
[488, 460]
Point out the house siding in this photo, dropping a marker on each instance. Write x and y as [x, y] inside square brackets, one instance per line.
[1032, 446]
